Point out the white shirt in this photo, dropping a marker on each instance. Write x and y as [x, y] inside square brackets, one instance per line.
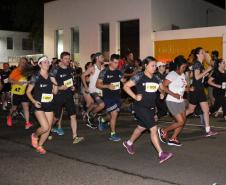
[177, 85]
[93, 79]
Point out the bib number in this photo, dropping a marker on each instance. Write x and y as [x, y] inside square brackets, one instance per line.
[68, 83]
[151, 87]
[46, 98]
[116, 85]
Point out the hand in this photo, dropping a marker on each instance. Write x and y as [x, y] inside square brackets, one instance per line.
[37, 104]
[63, 87]
[177, 96]
[138, 97]
[209, 68]
[87, 90]
[111, 87]
[73, 88]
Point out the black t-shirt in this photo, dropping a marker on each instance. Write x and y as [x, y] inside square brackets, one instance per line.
[63, 77]
[111, 77]
[43, 88]
[148, 87]
[5, 76]
[198, 84]
[219, 78]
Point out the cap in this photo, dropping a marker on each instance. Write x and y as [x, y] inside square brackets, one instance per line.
[160, 64]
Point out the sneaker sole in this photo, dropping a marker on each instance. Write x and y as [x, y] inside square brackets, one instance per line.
[173, 144]
[160, 138]
[127, 149]
[169, 156]
[211, 135]
[114, 140]
[88, 125]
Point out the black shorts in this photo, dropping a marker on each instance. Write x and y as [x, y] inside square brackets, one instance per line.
[145, 116]
[6, 88]
[64, 100]
[18, 99]
[197, 96]
[47, 107]
[112, 105]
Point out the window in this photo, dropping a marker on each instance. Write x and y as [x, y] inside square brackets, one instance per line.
[75, 43]
[59, 42]
[27, 44]
[9, 43]
[104, 29]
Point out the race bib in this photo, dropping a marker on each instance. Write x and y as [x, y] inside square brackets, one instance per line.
[68, 83]
[46, 98]
[224, 85]
[151, 87]
[116, 85]
[6, 81]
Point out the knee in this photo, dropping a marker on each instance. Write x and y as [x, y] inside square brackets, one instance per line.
[46, 128]
[102, 105]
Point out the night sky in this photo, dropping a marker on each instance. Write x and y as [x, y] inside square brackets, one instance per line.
[27, 15]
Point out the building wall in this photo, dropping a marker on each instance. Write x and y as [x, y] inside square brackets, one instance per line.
[88, 15]
[5, 54]
[169, 44]
[185, 14]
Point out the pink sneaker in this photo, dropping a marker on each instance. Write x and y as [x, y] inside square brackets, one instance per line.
[28, 125]
[34, 140]
[41, 150]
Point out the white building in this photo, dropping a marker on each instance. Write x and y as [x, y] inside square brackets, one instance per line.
[14, 44]
[87, 26]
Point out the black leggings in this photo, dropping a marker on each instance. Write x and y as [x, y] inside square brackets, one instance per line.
[220, 101]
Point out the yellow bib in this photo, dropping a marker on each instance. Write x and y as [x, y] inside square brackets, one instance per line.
[46, 98]
[68, 83]
[19, 89]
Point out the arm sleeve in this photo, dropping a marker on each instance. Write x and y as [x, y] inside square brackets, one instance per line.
[170, 77]
[53, 72]
[33, 80]
[102, 74]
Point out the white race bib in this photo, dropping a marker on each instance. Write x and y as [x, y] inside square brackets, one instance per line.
[68, 83]
[151, 87]
[6, 81]
[116, 85]
[46, 98]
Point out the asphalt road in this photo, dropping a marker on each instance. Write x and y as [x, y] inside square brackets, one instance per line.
[98, 161]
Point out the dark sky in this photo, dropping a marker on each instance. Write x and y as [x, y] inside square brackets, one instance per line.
[27, 15]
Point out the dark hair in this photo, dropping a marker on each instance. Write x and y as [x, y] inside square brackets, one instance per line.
[196, 52]
[146, 61]
[63, 54]
[215, 54]
[92, 57]
[114, 57]
[87, 64]
[179, 61]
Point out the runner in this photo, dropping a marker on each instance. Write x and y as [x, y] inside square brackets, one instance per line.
[64, 98]
[93, 73]
[175, 84]
[218, 82]
[109, 81]
[6, 85]
[40, 92]
[19, 84]
[198, 96]
[147, 86]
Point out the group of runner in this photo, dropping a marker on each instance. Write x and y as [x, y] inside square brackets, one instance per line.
[50, 91]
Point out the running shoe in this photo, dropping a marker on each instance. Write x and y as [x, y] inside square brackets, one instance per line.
[60, 132]
[91, 125]
[54, 130]
[34, 140]
[114, 138]
[162, 135]
[101, 125]
[211, 133]
[77, 140]
[90, 118]
[28, 125]
[129, 148]
[9, 121]
[41, 150]
[164, 157]
[174, 142]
